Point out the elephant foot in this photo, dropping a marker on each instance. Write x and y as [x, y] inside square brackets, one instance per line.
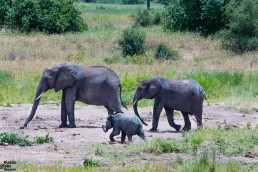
[153, 130]
[71, 126]
[63, 125]
[177, 127]
[186, 128]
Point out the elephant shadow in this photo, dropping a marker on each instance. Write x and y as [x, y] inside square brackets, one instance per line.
[88, 126]
[169, 131]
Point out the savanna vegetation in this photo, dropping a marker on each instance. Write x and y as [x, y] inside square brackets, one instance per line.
[171, 48]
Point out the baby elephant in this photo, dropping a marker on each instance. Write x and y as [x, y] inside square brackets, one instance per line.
[129, 125]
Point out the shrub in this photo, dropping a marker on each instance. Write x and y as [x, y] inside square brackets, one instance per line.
[163, 52]
[242, 32]
[90, 163]
[44, 139]
[49, 16]
[143, 18]
[14, 138]
[132, 41]
[146, 18]
[205, 16]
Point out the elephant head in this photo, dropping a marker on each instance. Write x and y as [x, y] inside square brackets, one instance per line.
[147, 89]
[108, 124]
[57, 78]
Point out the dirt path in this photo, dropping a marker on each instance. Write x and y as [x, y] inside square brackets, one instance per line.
[89, 120]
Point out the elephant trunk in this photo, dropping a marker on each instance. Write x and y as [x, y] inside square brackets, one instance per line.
[35, 104]
[105, 129]
[135, 101]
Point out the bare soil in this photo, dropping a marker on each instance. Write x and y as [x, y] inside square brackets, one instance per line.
[89, 120]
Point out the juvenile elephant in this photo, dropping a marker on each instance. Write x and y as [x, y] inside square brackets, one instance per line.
[129, 125]
[94, 85]
[185, 95]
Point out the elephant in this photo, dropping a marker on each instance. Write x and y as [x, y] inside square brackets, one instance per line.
[185, 95]
[94, 85]
[129, 125]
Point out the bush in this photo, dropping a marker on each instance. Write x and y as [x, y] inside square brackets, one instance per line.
[242, 32]
[49, 16]
[132, 42]
[44, 139]
[143, 18]
[163, 52]
[14, 138]
[205, 16]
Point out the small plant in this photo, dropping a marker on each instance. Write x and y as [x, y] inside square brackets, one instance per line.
[221, 143]
[44, 139]
[14, 138]
[196, 142]
[98, 151]
[132, 42]
[90, 163]
[163, 52]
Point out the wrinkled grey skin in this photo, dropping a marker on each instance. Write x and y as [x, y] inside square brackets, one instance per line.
[128, 124]
[94, 85]
[185, 95]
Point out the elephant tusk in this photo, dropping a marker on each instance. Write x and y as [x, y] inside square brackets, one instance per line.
[134, 102]
[39, 96]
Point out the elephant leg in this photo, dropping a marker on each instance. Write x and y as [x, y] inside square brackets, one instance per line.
[187, 126]
[69, 103]
[156, 114]
[198, 115]
[170, 117]
[130, 138]
[115, 132]
[110, 111]
[63, 112]
[123, 137]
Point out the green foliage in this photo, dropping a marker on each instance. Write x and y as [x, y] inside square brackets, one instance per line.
[146, 18]
[143, 18]
[242, 29]
[159, 146]
[44, 139]
[6, 77]
[90, 163]
[14, 138]
[132, 42]
[165, 53]
[49, 16]
[133, 1]
[205, 16]
[98, 151]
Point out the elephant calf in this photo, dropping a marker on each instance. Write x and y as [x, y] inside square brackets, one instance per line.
[129, 125]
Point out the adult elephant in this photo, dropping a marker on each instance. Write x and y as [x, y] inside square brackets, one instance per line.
[185, 95]
[94, 85]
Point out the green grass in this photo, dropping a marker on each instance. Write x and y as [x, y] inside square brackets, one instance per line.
[218, 86]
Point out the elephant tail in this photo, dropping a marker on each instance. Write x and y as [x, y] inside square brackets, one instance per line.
[122, 102]
[202, 93]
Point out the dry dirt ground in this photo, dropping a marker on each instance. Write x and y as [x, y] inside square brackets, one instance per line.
[89, 120]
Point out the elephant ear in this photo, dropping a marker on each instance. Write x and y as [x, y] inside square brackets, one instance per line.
[153, 88]
[65, 78]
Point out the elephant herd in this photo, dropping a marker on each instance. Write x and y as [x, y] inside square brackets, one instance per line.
[99, 85]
